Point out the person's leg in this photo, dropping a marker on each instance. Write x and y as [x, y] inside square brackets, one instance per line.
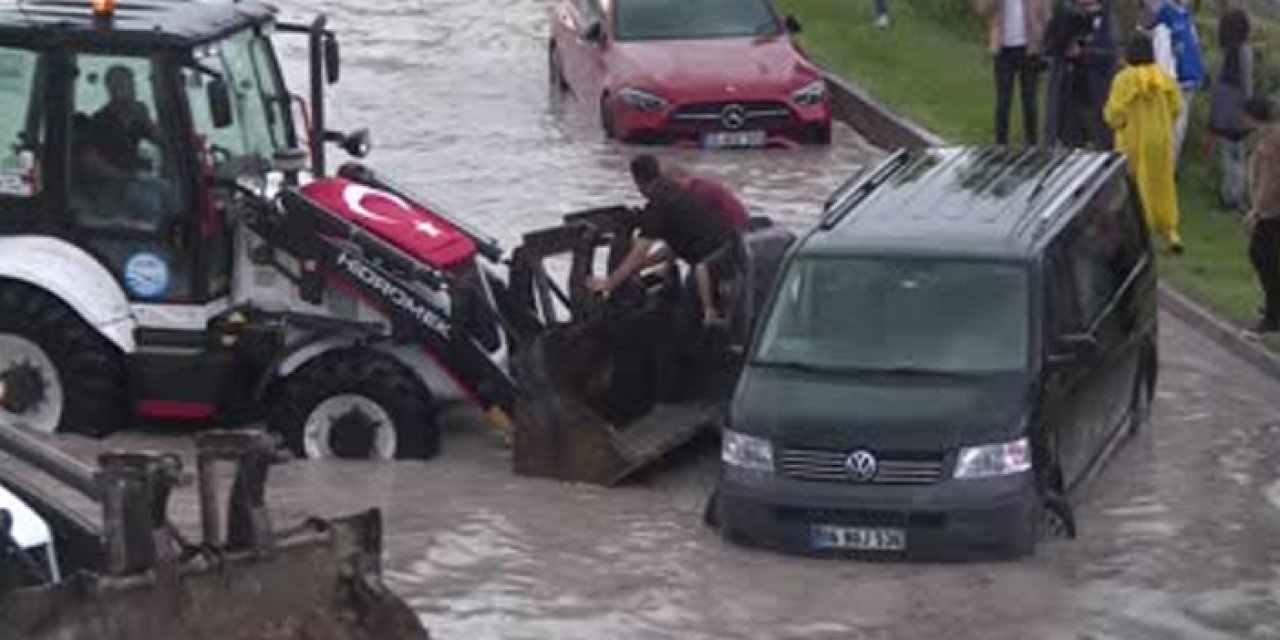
[1053, 104]
[1264, 254]
[882, 13]
[706, 292]
[1180, 128]
[1234, 170]
[1029, 79]
[1102, 137]
[1004, 71]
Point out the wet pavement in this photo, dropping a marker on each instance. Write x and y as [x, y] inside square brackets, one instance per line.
[1178, 533]
[1178, 540]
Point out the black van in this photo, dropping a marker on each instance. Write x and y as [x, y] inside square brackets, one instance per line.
[958, 343]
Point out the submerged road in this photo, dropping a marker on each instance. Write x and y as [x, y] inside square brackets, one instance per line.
[1178, 541]
[1179, 533]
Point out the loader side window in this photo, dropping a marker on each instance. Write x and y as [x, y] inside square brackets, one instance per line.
[22, 126]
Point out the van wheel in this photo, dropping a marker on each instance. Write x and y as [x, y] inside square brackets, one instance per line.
[353, 404]
[58, 373]
[1140, 402]
[555, 69]
[711, 513]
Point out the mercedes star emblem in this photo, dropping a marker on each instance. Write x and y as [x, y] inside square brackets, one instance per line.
[861, 466]
[733, 117]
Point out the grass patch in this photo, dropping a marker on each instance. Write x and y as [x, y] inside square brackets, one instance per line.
[933, 65]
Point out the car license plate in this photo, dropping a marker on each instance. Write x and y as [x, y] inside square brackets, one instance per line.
[731, 139]
[859, 538]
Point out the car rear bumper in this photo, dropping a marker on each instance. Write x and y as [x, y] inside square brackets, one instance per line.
[791, 123]
[951, 519]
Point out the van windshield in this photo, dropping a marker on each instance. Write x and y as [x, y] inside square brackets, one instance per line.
[900, 315]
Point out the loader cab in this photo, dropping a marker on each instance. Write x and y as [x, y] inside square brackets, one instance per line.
[128, 133]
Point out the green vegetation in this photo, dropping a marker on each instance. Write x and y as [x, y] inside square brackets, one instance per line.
[934, 66]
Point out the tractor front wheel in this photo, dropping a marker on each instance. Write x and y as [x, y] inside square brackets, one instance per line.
[57, 372]
[355, 404]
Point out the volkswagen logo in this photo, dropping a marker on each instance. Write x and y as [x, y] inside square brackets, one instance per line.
[861, 466]
[733, 117]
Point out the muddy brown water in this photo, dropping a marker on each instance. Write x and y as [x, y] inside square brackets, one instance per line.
[1179, 533]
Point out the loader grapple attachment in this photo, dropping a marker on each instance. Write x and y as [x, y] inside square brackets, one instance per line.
[611, 386]
[561, 436]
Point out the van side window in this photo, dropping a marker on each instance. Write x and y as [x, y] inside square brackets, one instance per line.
[1105, 247]
[1064, 311]
[22, 126]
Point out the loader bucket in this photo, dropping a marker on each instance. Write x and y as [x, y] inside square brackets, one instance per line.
[619, 383]
[563, 431]
[321, 584]
[135, 576]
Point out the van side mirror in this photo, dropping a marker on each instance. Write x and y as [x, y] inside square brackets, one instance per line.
[219, 103]
[1072, 348]
[332, 59]
[792, 24]
[594, 33]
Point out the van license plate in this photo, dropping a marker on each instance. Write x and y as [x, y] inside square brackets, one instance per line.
[733, 139]
[859, 538]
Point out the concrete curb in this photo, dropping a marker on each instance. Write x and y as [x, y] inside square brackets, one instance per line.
[1222, 332]
[882, 127]
[873, 120]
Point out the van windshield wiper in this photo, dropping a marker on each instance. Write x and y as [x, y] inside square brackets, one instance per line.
[809, 367]
[838, 370]
[904, 370]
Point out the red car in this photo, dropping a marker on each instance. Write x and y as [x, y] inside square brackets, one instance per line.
[721, 73]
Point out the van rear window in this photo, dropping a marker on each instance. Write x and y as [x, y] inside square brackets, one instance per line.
[898, 314]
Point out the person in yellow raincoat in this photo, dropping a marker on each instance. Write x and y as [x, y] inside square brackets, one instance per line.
[1143, 108]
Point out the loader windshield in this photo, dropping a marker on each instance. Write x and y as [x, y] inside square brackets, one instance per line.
[259, 127]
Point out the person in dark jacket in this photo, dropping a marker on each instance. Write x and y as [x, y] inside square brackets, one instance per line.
[1232, 88]
[1083, 51]
[691, 230]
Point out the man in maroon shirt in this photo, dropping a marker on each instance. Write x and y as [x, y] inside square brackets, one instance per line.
[712, 194]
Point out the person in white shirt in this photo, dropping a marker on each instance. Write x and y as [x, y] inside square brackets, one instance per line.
[1016, 38]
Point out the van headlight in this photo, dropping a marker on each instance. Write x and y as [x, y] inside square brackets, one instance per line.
[811, 94]
[746, 452]
[993, 460]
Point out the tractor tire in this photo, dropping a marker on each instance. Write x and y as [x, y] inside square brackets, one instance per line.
[63, 375]
[355, 404]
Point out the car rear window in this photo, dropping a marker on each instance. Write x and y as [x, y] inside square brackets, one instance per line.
[693, 19]
[892, 314]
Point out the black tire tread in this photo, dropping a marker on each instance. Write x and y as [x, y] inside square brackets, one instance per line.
[369, 374]
[92, 370]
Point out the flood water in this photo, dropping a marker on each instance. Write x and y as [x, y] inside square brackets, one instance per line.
[456, 95]
[1179, 534]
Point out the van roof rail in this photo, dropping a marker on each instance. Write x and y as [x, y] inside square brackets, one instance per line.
[857, 188]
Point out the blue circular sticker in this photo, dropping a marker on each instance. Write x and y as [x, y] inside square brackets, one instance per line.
[146, 275]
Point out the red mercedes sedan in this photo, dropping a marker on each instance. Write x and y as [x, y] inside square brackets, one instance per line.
[718, 73]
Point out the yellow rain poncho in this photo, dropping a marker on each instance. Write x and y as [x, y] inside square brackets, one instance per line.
[1143, 107]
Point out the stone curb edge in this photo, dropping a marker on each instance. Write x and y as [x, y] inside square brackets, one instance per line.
[884, 128]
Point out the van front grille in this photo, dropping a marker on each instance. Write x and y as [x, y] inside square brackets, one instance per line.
[831, 466]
